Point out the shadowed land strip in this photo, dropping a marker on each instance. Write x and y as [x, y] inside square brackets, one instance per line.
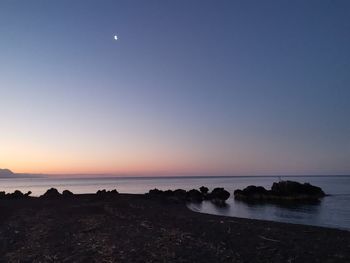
[140, 228]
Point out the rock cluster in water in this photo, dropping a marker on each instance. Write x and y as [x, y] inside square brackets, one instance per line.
[284, 190]
[218, 195]
[105, 194]
[53, 193]
[15, 195]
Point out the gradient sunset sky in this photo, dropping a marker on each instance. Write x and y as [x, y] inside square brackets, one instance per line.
[190, 87]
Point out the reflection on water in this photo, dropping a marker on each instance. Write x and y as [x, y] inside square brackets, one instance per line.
[316, 213]
[332, 211]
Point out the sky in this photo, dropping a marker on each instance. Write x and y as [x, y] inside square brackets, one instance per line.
[189, 88]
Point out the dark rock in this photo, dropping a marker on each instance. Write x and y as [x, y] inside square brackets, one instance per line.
[252, 191]
[177, 196]
[180, 194]
[155, 192]
[103, 193]
[219, 194]
[194, 196]
[51, 193]
[204, 190]
[168, 193]
[284, 190]
[67, 193]
[297, 190]
[16, 194]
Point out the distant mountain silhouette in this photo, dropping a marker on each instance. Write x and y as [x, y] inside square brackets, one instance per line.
[6, 173]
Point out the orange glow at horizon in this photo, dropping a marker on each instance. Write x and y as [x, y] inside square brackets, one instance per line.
[128, 156]
[133, 155]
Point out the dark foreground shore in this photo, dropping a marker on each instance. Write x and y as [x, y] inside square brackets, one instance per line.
[137, 228]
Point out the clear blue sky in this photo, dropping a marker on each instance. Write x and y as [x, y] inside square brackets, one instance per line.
[190, 87]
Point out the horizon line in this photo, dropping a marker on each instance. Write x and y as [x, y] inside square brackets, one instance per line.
[105, 175]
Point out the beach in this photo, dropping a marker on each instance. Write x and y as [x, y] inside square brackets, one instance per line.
[140, 228]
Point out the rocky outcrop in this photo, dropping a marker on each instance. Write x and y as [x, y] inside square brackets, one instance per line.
[194, 196]
[155, 192]
[15, 195]
[204, 190]
[284, 190]
[51, 194]
[218, 195]
[251, 192]
[107, 194]
[67, 194]
[290, 188]
[180, 194]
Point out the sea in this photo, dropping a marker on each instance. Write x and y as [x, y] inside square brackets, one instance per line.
[332, 211]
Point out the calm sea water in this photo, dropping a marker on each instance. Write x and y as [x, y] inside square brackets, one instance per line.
[332, 211]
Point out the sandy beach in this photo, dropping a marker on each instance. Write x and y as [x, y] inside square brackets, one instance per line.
[140, 228]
